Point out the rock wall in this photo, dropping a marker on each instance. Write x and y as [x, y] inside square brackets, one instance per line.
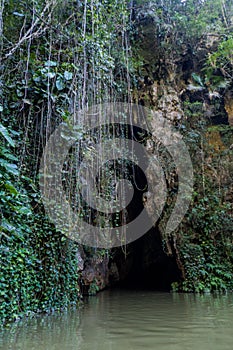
[228, 100]
[166, 84]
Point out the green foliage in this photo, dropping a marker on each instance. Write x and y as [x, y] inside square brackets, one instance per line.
[61, 56]
[219, 66]
[94, 288]
[5, 134]
[208, 261]
[181, 22]
[38, 270]
[207, 264]
[197, 79]
[223, 57]
[58, 57]
[193, 110]
[204, 241]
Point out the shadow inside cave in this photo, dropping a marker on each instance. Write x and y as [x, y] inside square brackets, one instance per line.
[144, 265]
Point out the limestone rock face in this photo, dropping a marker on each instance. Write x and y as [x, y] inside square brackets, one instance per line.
[165, 83]
[93, 270]
[229, 106]
[164, 98]
[95, 274]
[169, 103]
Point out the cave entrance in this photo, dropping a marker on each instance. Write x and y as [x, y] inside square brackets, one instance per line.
[144, 265]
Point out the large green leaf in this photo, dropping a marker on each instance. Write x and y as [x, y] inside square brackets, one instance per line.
[60, 83]
[68, 75]
[11, 188]
[11, 168]
[4, 132]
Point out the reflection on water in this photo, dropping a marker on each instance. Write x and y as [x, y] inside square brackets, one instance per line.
[125, 320]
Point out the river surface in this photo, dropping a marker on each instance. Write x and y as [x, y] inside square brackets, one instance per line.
[126, 319]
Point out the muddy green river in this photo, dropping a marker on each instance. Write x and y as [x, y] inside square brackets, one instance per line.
[126, 319]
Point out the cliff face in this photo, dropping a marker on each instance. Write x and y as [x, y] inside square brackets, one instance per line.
[172, 81]
[228, 102]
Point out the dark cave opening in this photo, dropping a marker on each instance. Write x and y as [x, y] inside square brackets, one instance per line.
[144, 265]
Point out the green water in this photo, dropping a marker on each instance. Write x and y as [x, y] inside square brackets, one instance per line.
[125, 320]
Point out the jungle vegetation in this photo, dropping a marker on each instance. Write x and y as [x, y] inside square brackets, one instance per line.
[59, 56]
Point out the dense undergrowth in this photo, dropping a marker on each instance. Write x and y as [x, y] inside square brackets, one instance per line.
[56, 56]
[39, 267]
[204, 239]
